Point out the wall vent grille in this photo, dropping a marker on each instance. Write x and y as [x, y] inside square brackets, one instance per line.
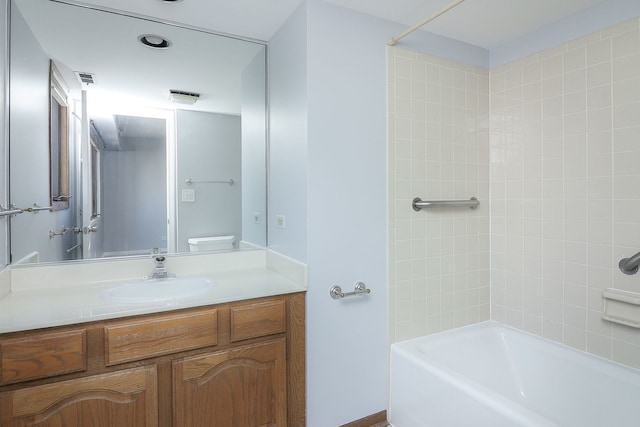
[86, 78]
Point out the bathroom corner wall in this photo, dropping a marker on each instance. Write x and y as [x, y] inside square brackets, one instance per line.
[564, 189]
[438, 150]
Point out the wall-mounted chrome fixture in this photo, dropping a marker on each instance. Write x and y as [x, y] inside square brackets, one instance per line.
[630, 265]
[153, 41]
[11, 211]
[14, 210]
[35, 208]
[62, 232]
[358, 289]
[190, 181]
[418, 204]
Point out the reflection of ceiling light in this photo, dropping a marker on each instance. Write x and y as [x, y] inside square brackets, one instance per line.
[182, 97]
[154, 41]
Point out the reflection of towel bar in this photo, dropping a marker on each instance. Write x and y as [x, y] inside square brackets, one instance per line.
[8, 212]
[36, 208]
[14, 210]
[190, 181]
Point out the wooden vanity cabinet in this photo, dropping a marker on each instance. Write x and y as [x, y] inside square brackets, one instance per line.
[243, 387]
[238, 364]
[123, 398]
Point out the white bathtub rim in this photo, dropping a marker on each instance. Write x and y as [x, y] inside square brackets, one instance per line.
[409, 343]
[507, 407]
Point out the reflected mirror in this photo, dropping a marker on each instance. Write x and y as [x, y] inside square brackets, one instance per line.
[166, 136]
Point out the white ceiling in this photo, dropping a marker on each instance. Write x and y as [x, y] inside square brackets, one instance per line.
[123, 67]
[484, 23]
[85, 40]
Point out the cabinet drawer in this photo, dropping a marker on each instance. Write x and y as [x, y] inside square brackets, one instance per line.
[42, 355]
[136, 340]
[257, 320]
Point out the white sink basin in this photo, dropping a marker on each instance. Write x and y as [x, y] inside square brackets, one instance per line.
[157, 290]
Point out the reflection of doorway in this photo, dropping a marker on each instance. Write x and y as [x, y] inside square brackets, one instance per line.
[131, 189]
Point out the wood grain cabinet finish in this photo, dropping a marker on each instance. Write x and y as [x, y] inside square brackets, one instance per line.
[257, 320]
[42, 356]
[124, 398]
[236, 364]
[243, 387]
[135, 340]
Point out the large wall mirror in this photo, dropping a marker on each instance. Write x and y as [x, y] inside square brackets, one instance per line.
[166, 135]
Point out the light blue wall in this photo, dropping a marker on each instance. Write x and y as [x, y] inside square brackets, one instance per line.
[29, 136]
[253, 120]
[328, 176]
[347, 220]
[596, 18]
[208, 149]
[288, 137]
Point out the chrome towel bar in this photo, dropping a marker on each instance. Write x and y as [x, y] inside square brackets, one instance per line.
[35, 208]
[358, 289]
[8, 212]
[419, 204]
[630, 265]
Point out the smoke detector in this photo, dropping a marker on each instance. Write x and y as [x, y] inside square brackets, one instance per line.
[182, 97]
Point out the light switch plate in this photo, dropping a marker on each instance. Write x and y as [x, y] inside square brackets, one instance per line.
[188, 195]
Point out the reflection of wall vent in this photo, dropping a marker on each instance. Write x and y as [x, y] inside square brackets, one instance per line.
[86, 78]
[183, 97]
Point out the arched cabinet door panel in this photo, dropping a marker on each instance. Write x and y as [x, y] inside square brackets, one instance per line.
[123, 398]
[243, 387]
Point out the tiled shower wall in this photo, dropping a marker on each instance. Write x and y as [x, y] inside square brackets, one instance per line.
[565, 189]
[438, 150]
[564, 155]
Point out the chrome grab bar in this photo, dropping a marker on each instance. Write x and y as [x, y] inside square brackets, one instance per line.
[190, 181]
[630, 265]
[359, 289]
[419, 204]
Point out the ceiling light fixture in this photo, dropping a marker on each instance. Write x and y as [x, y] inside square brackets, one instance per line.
[170, 1]
[182, 97]
[153, 41]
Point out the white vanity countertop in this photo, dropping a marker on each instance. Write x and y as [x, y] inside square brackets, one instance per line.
[33, 307]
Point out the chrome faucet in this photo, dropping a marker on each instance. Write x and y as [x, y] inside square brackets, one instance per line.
[159, 269]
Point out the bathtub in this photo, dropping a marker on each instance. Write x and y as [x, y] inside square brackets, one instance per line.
[492, 375]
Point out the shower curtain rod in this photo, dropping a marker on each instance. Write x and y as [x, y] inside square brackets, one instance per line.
[396, 39]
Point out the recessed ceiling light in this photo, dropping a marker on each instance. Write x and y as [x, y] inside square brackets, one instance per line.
[156, 42]
[170, 1]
